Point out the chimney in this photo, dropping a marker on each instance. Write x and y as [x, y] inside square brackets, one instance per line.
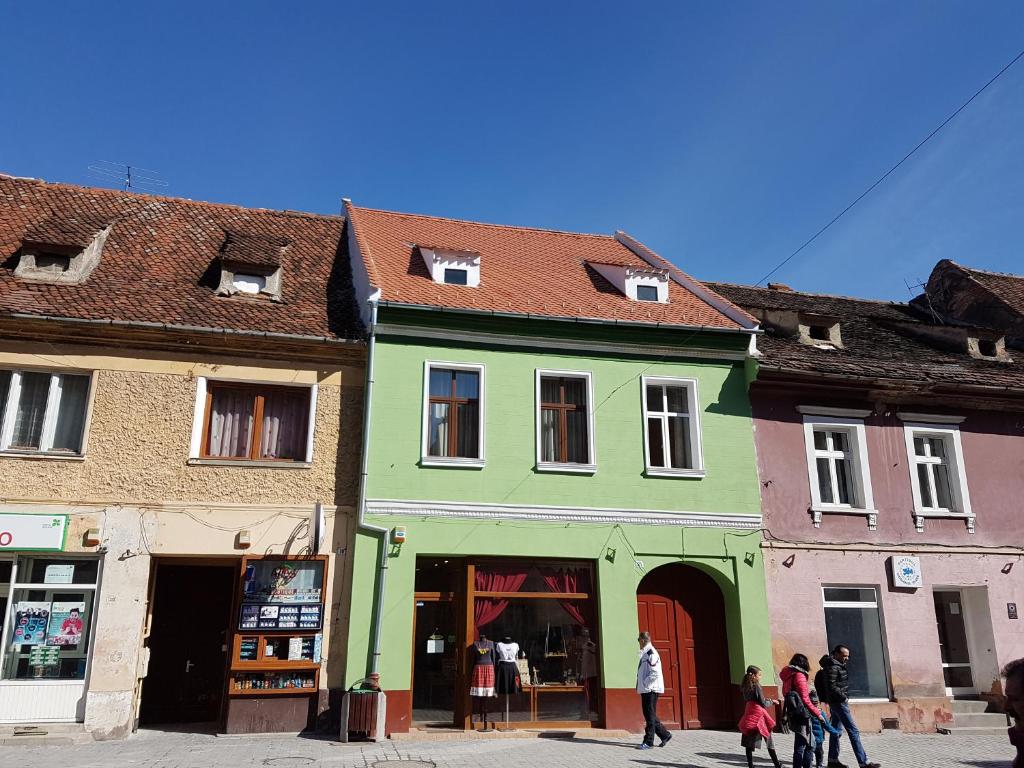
[779, 287]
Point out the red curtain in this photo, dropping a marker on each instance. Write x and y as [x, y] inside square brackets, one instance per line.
[571, 580]
[487, 609]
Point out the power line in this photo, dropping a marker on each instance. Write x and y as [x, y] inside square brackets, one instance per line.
[886, 175]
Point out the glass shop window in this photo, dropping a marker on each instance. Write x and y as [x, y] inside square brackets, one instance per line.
[853, 618]
[48, 607]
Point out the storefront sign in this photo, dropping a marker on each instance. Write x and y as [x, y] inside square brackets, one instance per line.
[906, 572]
[40, 533]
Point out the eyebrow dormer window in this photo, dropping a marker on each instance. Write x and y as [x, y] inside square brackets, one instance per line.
[251, 265]
[646, 293]
[61, 250]
[820, 331]
[456, 277]
[636, 283]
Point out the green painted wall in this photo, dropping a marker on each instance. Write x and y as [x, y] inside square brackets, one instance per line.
[732, 558]
[509, 476]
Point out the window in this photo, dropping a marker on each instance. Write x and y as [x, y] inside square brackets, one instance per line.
[456, 276]
[937, 472]
[819, 332]
[853, 619]
[647, 293]
[565, 421]
[672, 427]
[43, 412]
[53, 262]
[987, 348]
[255, 422]
[46, 605]
[453, 415]
[837, 464]
[251, 284]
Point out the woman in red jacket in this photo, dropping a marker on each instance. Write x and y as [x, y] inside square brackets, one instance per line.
[794, 678]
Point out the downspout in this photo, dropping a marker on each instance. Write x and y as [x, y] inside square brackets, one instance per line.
[378, 608]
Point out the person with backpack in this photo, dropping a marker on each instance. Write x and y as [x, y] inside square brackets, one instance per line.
[757, 722]
[799, 709]
[833, 685]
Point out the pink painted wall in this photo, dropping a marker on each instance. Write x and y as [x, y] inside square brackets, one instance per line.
[993, 446]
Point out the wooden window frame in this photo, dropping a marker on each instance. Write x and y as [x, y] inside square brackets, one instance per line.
[563, 408]
[426, 459]
[201, 451]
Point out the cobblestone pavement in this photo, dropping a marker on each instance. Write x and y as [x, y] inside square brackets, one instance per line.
[696, 749]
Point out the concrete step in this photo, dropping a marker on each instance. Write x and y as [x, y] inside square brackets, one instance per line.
[968, 706]
[973, 731]
[43, 734]
[979, 720]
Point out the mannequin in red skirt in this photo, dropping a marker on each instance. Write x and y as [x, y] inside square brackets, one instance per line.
[481, 678]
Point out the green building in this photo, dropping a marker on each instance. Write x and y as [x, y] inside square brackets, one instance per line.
[559, 453]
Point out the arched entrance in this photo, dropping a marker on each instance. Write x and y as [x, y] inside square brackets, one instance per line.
[683, 609]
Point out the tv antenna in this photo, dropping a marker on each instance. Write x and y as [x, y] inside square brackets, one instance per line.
[130, 178]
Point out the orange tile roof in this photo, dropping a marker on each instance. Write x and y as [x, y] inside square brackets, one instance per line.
[158, 263]
[522, 271]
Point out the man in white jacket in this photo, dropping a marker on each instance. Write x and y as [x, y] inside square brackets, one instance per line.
[649, 683]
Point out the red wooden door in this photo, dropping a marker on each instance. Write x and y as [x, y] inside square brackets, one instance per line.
[657, 615]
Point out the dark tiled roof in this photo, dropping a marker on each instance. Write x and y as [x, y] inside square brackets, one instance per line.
[1009, 288]
[522, 270]
[881, 340]
[254, 250]
[160, 259]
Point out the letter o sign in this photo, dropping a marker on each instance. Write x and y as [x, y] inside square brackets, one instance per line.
[6, 537]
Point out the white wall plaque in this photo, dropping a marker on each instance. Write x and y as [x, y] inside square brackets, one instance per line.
[906, 572]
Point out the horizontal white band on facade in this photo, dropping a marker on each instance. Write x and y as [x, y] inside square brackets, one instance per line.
[905, 548]
[562, 514]
[42, 507]
[476, 337]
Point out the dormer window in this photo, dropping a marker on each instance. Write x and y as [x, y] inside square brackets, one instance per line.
[61, 250]
[251, 265]
[820, 331]
[634, 282]
[452, 267]
[987, 348]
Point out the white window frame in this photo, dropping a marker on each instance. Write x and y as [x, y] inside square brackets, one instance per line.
[950, 433]
[45, 450]
[195, 447]
[877, 606]
[426, 460]
[696, 444]
[557, 466]
[852, 423]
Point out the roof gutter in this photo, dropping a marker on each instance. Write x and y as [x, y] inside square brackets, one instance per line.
[181, 328]
[565, 318]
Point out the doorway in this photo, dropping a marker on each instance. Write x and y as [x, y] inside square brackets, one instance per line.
[684, 611]
[188, 642]
[954, 647]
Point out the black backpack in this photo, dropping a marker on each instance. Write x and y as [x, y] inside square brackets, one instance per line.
[794, 711]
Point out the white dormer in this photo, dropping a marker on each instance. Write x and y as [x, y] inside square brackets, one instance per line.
[452, 267]
[636, 283]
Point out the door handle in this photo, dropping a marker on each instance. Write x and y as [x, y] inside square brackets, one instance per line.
[188, 666]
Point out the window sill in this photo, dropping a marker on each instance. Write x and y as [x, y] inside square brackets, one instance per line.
[572, 469]
[451, 463]
[920, 515]
[817, 510]
[695, 474]
[11, 454]
[249, 464]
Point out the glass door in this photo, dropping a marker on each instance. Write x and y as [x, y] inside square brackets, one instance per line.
[953, 645]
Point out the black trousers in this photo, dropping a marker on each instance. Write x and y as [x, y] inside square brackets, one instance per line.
[653, 726]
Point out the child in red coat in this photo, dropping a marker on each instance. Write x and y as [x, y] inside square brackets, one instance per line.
[757, 723]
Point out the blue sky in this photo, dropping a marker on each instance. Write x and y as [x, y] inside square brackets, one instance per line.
[722, 135]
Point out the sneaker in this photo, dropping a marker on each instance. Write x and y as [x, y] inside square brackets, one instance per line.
[666, 740]
[645, 745]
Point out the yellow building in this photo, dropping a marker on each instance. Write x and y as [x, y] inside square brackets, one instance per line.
[181, 392]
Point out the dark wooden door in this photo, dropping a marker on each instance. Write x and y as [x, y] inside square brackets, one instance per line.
[188, 643]
[657, 615]
[684, 611]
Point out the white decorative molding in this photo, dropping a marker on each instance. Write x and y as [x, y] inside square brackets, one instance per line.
[842, 413]
[818, 511]
[930, 418]
[550, 342]
[452, 509]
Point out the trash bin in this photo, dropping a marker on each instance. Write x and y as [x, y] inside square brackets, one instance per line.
[363, 714]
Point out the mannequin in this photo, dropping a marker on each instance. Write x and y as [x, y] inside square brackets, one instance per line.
[587, 663]
[481, 680]
[507, 674]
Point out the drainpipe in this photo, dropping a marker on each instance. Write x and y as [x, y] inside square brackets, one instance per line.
[376, 530]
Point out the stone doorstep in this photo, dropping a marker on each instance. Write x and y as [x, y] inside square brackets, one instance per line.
[972, 731]
[44, 734]
[452, 734]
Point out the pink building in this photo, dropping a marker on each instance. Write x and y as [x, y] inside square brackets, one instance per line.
[890, 444]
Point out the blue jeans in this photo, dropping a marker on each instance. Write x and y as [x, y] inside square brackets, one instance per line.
[841, 714]
[803, 749]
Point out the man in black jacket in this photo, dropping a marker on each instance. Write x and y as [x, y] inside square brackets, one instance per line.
[833, 686]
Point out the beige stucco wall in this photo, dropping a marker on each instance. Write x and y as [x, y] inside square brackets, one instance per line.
[140, 427]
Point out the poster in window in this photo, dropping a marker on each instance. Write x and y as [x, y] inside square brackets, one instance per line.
[31, 619]
[283, 581]
[67, 622]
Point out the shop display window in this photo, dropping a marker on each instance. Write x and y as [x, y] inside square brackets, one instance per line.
[47, 605]
[282, 594]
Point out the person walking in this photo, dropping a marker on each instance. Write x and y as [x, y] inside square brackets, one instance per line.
[1014, 690]
[650, 683]
[757, 722]
[833, 682]
[800, 709]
